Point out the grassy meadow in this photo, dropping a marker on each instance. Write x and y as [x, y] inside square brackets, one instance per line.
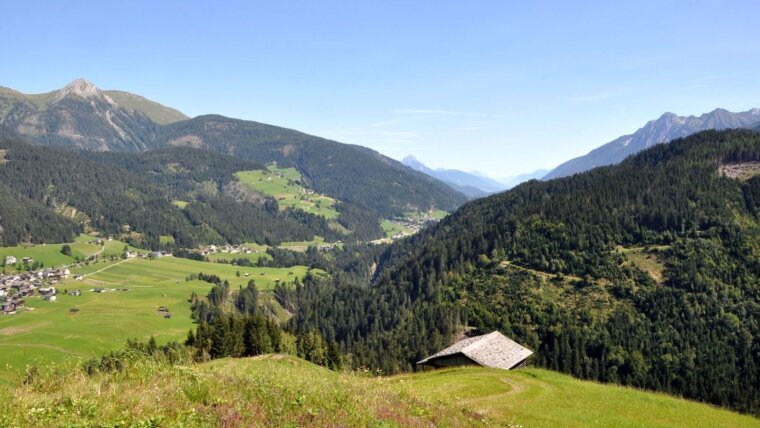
[391, 228]
[93, 323]
[301, 246]
[542, 398]
[51, 255]
[281, 390]
[284, 185]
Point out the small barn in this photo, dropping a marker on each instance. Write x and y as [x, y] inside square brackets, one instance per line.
[489, 350]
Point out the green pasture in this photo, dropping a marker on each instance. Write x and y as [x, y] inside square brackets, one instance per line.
[284, 184]
[301, 246]
[542, 398]
[180, 204]
[391, 228]
[93, 323]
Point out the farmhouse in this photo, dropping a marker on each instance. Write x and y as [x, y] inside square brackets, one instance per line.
[489, 350]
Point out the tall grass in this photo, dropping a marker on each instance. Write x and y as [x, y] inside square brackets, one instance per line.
[274, 390]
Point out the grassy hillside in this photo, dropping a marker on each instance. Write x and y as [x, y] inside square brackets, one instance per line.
[155, 111]
[351, 174]
[284, 184]
[51, 256]
[277, 390]
[94, 323]
[542, 398]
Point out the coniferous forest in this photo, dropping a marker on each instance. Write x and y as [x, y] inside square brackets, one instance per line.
[645, 273]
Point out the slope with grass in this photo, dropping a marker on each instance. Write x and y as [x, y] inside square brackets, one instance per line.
[51, 254]
[542, 398]
[93, 323]
[280, 390]
[285, 185]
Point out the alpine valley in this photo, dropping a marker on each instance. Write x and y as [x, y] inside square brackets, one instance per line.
[160, 270]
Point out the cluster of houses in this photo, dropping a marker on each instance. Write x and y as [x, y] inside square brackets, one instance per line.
[14, 288]
[229, 249]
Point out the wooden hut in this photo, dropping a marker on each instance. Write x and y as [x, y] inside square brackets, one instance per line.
[489, 350]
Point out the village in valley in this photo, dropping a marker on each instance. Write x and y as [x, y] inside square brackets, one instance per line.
[15, 288]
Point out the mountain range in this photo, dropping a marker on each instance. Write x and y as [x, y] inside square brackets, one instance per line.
[81, 116]
[470, 184]
[667, 127]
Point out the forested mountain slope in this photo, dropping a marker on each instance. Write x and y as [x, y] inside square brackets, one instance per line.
[349, 173]
[82, 116]
[51, 194]
[646, 273]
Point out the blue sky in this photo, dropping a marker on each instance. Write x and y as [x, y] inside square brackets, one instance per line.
[500, 87]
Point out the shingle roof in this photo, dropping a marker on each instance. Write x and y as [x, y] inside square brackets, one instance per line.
[489, 350]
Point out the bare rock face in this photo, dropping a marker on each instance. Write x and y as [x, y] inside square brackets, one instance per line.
[78, 115]
[81, 88]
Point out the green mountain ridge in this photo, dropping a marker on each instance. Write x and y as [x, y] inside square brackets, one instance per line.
[644, 273]
[132, 195]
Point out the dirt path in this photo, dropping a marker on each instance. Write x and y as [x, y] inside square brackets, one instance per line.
[517, 388]
[108, 267]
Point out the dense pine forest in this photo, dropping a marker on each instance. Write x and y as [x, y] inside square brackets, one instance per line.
[53, 194]
[353, 174]
[645, 273]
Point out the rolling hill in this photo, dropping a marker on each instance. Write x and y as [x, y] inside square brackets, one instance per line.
[281, 390]
[645, 273]
[666, 128]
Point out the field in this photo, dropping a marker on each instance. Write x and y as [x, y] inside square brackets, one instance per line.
[179, 204]
[93, 323]
[302, 245]
[253, 257]
[281, 390]
[284, 184]
[542, 398]
[419, 215]
[51, 256]
[645, 260]
[392, 228]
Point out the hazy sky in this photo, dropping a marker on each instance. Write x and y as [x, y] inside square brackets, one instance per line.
[501, 87]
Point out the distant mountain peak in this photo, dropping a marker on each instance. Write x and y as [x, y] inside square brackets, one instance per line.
[80, 87]
[667, 127]
[470, 184]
